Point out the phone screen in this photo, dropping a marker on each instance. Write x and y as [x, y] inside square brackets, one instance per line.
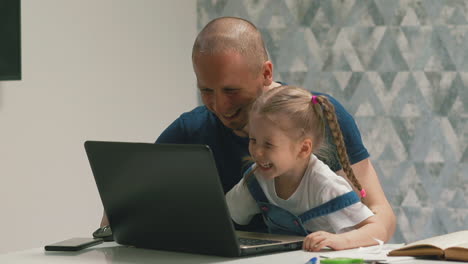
[73, 244]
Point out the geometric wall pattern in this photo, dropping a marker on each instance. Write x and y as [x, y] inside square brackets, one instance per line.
[400, 67]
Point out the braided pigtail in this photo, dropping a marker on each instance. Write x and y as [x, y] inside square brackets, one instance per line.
[330, 115]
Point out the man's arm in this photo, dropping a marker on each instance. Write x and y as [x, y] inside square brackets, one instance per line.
[375, 199]
[104, 220]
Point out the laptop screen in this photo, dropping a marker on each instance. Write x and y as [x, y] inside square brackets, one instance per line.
[163, 196]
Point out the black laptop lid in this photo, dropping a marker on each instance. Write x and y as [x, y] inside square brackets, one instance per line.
[163, 196]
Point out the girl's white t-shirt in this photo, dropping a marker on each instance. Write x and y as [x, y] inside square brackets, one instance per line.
[318, 186]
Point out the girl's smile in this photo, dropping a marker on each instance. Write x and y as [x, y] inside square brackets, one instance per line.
[272, 148]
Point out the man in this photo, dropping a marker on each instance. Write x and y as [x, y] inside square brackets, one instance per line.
[232, 69]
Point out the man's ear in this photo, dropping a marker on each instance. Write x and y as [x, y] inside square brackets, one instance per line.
[305, 148]
[267, 73]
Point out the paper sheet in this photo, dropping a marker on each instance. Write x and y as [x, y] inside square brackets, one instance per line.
[369, 254]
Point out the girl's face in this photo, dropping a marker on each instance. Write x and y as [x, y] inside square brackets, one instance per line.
[272, 148]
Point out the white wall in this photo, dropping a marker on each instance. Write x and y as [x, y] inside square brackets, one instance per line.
[92, 69]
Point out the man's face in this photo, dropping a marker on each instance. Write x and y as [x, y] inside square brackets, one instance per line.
[228, 88]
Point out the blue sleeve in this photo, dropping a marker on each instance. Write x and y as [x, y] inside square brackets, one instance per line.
[174, 133]
[352, 137]
[193, 127]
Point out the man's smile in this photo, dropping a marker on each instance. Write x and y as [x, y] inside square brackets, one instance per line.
[232, 115]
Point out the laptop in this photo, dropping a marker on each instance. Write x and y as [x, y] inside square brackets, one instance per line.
[169, 197]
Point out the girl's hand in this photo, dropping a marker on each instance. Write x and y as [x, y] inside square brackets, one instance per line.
[321, 239]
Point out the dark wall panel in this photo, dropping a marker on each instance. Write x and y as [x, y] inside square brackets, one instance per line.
[10, 40]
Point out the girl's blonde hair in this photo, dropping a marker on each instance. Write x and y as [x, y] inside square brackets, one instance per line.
[308, 115]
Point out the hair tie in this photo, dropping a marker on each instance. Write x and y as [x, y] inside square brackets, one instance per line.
[314, 99]
[363, 193]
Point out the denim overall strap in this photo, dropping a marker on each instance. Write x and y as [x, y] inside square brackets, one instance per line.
[331, 206]
[254, 187]
[278, 220]
[281, 221]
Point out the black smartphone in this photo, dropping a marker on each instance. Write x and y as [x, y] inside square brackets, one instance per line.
[73, 244]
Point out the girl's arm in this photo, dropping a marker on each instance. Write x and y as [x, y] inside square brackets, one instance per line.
[364, 235]
[241, 204]
[375, 200]
[381, 226]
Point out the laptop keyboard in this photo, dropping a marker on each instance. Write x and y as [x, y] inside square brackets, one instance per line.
[254, 242]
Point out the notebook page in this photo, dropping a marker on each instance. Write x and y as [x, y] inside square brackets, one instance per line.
[373, 253]
[444, 241]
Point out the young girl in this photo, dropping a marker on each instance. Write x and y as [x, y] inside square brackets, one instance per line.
[296, 192]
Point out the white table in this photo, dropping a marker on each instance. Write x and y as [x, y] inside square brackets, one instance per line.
[110, 252]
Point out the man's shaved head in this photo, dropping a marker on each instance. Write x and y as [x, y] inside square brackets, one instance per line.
[231, 34]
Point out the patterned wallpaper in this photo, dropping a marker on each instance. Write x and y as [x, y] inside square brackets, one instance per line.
[401, 69]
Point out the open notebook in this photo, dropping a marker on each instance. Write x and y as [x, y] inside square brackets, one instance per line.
[452, 246]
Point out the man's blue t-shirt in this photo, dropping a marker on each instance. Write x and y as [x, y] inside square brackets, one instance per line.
[201, 126]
